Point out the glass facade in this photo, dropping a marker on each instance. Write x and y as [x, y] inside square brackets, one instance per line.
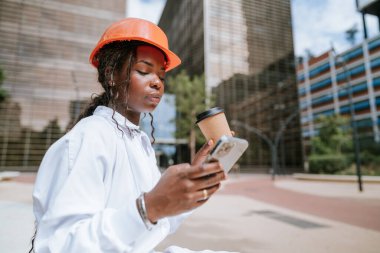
[245, 49]
[44, 53]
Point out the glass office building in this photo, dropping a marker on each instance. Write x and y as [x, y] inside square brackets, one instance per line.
[44, 53]
[245, 49]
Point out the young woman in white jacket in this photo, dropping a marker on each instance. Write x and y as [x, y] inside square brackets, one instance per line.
[98, 188]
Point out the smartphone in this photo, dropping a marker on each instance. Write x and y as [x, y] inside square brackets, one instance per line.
[227, 151]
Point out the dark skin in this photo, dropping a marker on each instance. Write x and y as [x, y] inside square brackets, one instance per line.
[181, 186]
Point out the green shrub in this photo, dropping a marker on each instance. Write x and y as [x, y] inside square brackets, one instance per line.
[368, 158]
[329, 164]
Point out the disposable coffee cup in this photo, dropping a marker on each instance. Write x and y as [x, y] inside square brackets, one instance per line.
[213, 124]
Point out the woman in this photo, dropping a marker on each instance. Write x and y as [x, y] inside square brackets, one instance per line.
[98, 188]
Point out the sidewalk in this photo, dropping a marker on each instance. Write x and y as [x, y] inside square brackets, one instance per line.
[253, 214]
[249, 214]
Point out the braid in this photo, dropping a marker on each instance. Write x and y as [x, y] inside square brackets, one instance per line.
[96, 100]
[111, 58]
[151, 124]
[33, 239]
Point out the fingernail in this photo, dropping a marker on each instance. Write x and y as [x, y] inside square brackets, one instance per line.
[209, 142]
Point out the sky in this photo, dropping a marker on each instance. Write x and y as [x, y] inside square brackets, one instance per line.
[317, 24]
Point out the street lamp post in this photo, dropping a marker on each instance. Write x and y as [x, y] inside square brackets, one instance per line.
[273, 145]
[355, 137]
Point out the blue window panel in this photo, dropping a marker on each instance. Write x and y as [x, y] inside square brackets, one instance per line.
[357, 106]
[364, 123]
[320, 84]
[341, 76]
[377, 101]
[344, 109]
[343, 93]
[303, 104]
[375, 63]
[301, 77]
[359, 87]
[355, 89]
[319, 69]
[322, 99]
[361, 105]
[374, 44]
[359, 69]
[305, 119]
[354, 71]
[302, 91]
[353, 54]
[376, 82]
[326, 113]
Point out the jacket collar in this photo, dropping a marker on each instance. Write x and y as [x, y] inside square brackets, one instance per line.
[122, 121]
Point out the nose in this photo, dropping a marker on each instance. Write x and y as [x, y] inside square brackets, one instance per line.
[156, 83]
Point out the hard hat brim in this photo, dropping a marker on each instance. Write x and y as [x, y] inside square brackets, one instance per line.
[172, 59]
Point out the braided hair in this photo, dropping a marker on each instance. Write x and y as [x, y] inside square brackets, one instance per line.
[111, 58]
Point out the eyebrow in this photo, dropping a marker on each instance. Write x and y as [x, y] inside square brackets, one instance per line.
[149, 64]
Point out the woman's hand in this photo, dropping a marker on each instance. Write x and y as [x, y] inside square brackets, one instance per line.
[184, 187]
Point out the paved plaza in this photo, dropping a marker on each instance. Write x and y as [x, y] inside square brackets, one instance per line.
[251, 213]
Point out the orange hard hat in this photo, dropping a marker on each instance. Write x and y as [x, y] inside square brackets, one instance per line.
[136, 29]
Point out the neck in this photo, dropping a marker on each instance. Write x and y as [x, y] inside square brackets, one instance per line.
[132, 115]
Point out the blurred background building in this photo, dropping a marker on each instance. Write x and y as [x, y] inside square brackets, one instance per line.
[245, 49]
[44, 53]
[324, 83]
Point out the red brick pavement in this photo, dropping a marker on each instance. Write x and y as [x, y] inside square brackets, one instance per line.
[358, 212]
[25, 178]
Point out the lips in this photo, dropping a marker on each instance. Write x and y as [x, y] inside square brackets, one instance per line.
[154, 98]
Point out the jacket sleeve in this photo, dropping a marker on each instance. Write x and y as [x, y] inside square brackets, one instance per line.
[176, 221]
[75, 217]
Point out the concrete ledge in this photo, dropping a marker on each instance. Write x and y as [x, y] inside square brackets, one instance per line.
[8, 175]
[336, 178]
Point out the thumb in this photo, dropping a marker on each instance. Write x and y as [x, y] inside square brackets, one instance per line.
[201, 155]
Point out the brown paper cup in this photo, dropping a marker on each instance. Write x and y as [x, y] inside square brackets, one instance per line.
[213, 124]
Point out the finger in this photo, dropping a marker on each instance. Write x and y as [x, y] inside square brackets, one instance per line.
[206, 193]
[209, 181]
[233, 133]
[202, 154]
[204, 169]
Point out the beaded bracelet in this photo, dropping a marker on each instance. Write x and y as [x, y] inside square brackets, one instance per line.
[140, 202]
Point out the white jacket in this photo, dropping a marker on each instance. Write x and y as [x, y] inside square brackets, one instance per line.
[87, 185]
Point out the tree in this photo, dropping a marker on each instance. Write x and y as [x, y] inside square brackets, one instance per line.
[334, 135]
[190, 100]
[330, 149]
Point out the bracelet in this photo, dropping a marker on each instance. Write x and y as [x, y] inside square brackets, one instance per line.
[140, 202]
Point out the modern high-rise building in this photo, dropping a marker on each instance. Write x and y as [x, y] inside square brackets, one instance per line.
[324, 84]
[245, 49]
[44, 53]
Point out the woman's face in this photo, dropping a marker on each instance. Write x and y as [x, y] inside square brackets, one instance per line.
[146, 81]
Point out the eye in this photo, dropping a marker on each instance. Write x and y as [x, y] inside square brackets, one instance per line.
[142, 72]
[162, 79]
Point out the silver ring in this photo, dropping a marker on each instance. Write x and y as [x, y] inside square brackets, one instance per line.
[205, 194]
